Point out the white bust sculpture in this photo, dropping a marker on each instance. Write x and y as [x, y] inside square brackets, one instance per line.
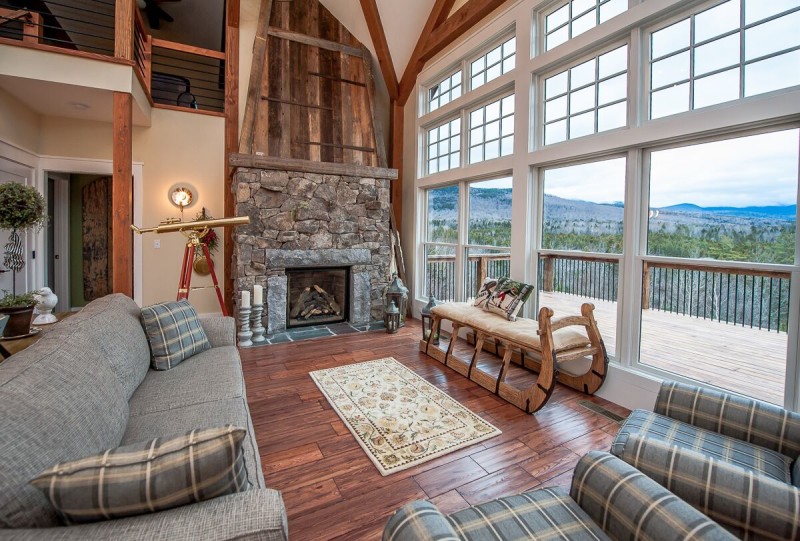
[46, 300]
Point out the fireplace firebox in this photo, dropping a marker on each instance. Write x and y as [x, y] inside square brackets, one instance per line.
[317, 296]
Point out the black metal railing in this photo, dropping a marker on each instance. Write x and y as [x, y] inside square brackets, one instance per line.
[79, 25]
[748, 298]
[186, 76]
[593, 277]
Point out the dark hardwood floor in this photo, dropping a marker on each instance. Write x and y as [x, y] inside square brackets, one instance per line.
[332, 490]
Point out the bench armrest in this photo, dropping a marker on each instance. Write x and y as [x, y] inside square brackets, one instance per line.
[419, 521]
[256, 514]
[220, 330]
[749, 505]
[628, 505]
[746, 419]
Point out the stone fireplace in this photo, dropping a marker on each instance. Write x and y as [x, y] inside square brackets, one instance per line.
[317, 224]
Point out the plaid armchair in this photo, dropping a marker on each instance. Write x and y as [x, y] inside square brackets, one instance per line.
[609, 499]
[745, 433]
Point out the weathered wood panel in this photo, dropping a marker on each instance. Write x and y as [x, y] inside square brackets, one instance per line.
[314, 98]
[96, 230]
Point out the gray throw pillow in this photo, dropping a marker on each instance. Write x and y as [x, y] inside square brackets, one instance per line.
[174, 333]
[148, 476]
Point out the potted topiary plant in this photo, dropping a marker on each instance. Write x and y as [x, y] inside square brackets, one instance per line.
[21, 208]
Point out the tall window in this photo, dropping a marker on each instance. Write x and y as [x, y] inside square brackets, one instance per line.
[733, 200]
[444, 146]
[441, 241]
[491, 130]
[491, 65]
[488, 251]
[576, 17]
[587, 98]
[444, 91]
[735, 49]
[582, 224]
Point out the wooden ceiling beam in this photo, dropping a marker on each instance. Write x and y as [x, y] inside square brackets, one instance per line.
[373, 18]
[438, 15]
[469, 15]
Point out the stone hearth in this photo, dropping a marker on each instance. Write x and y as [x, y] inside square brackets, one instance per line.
[304, 220]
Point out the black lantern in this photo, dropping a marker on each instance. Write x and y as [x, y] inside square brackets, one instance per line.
[427, 321]
[397, 293]
[391, 318]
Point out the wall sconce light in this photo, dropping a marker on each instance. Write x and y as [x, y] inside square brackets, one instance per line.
[181, 195]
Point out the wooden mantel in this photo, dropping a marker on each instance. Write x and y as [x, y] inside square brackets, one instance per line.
[276, 163]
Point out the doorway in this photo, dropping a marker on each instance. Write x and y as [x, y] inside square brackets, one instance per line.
[79, 251]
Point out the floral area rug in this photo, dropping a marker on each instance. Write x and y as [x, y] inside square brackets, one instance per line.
[397, 417]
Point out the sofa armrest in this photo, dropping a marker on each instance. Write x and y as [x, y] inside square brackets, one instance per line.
[749, 505]
[221, 330]
[628, 505]
[256, 514]
[746, 419]
[419, 521]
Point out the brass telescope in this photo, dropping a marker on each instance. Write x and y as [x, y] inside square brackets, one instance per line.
[170, 226]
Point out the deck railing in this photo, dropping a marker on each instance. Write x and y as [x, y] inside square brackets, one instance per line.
[184, 76]
[744, 297]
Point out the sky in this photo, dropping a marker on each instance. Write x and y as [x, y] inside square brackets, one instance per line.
[758, 170]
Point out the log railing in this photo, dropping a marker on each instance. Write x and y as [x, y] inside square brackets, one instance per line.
[746, 297]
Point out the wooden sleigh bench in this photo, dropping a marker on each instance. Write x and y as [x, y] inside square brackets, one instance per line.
[534, 354]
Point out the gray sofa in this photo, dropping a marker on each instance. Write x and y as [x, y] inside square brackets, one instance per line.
[85, 387]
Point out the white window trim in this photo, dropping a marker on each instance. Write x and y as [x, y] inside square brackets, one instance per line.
[629, 385]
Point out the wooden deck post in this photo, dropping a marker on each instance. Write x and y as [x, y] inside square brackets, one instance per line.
[548, 279]
[483, 266]
[645, 286]
[32, 28]
[122, 195]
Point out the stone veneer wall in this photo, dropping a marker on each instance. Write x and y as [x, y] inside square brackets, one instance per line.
[302, 219]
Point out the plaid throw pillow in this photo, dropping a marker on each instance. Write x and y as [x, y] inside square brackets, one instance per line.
[508, 297]
[487, 287]
[174, 333]
[148, 476]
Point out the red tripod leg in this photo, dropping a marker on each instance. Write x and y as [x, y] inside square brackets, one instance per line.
[186, 273]
[214, 279]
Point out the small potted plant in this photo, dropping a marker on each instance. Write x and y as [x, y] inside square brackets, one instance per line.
[21, 208]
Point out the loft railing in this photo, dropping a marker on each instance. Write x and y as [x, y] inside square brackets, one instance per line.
[85, 26]
[184, 76]
[744, 297]
[175, 75]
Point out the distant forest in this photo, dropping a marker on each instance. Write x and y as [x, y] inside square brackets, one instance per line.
[757, 234]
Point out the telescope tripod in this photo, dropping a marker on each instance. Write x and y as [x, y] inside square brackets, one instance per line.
[184, 285]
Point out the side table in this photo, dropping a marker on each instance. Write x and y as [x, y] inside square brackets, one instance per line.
[10, 347]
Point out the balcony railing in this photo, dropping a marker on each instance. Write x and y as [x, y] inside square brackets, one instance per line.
[174, 75]
[744, 297]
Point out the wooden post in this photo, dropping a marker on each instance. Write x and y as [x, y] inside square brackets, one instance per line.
[32, 28]
[548, 280]
[122, 195]
[231, 138]
[645, 285]
[483, 266]
[148, 62]
[396, 144]
[123, 29]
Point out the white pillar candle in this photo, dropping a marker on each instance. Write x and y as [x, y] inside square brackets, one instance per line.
[258, 294]
[245, 299]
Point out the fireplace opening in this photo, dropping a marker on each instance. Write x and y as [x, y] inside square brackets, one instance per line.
[316, 296]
